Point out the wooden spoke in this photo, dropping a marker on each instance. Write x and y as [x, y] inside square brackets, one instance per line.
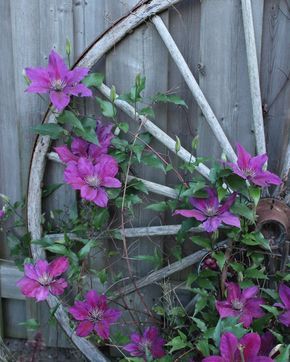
[165, 272]
[151, 186]
[155, 131]
[194, 87]
[253, 71]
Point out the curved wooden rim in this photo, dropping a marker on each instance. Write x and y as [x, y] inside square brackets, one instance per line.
[89, 58]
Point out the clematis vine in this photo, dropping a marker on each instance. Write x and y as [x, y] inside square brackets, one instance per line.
[149, 345]
[81, 148]
[58, 81]
[284, 293]
[244, 350]
[244, 304]
[211, 212]
[43, 278]
[94, 315]
[92, 179]
[251, 168]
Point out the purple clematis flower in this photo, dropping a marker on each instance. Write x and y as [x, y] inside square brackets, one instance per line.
[58, 81]
[2, 214]
[94, 315]
[150, 344]
[92, 179]
[82, 148]
[244, 350]
[284, 293]
[211, 212]
[267, 343]
[251, 168]
[244, 304]
[44, 278]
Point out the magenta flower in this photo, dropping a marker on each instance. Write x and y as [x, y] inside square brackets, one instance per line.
[94, 315]
[284, 293]
[267, 343]
[251, 168]
[58, 81]
[150, 344]
[43, 278]
[82, 148]
[243, 304]
[2, 214]
[211, 212]
[244, 350]
[91, 179]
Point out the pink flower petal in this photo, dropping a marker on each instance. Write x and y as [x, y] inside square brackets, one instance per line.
[233, 292]
[38, 75]
[84, 328]
[251, 343]
[108, 165]
[284, 293]
[198, 215]
[212, 223]
[41, 293]
[29, 271]
[284, 318]
[198, 203]
[227, 204]
[225, 309]
[77, 74]
[229, 219]
[57, 68]
[58, 286]
[93, 298]
[250, 292]
[41, 267]
[111, 182]
[79, 90]
[213, 359]
[102, 329]
[88, 193]
[37, 88]
[79, 310]
[79, 147]
[102, 198]
[257, 162]
[65, 154]
[85, 167]
[28, 286]
[228, 346]
[112, 315]
[243, 157]
[58, 266]
[59, 100]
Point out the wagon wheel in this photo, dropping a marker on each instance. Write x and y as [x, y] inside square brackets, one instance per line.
[138, 15]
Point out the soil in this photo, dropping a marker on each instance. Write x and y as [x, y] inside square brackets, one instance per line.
[19, 350]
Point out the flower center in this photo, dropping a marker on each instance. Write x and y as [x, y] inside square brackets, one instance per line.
[210, 211]
[249, 172]
[237, 305]
[95, 315]
[58, 85]
[93, 181]
[45, 279]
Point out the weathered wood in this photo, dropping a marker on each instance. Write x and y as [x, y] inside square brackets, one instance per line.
[253, 71]
[194, 87]
[156, 132]
[165, 272]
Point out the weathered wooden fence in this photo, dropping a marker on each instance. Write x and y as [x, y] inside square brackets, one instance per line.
[210, 36]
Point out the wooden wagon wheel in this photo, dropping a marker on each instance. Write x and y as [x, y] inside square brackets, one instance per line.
[137, 16]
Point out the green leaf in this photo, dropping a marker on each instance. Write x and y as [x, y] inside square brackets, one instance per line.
[169, 98]
[203, 347]
[88, 135]
[256, 238]
[220, 257]
[138, 185]
[153, 161]
[200, 324]
[50, 189]
[49, 129]
[85, 250]
[107, 108]
[147, 112]
[57, 249]
[241, 209]
[124, 126]
[284, 355]
[160, 206]
[255, 193]
[71, 119]
[94, 80]
[177, 144]
[30, 324]
[272, 310]
[255, 274]
[202, 241]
